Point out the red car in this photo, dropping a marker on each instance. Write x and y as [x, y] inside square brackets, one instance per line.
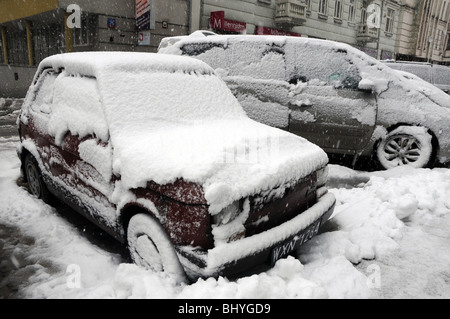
[157, 151]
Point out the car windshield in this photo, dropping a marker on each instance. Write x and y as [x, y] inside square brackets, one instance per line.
[442, 76]
[422, 71]
[146, 100]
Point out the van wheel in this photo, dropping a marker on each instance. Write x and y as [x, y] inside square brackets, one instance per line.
[151, 248]
[406, 146]
[36, 184]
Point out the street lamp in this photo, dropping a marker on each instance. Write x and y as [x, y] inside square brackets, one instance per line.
[379, 30]
[430, 41]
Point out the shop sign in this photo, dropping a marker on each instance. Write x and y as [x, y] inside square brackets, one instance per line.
[144, 38]
[218, 22]
[143, 14]
[112, 23]
[270, 31]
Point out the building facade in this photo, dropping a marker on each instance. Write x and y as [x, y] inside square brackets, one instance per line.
[432, 41]
[415, 30]
[31, 30]
[337, 20]
[424, 30]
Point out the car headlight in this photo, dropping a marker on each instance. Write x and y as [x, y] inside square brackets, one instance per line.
[227, 214]
[322, 176]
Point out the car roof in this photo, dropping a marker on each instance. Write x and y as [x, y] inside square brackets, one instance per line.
[280, 40]
[94, 63]
[415, 63]
[207, 36]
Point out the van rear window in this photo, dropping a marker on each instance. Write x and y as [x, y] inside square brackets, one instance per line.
[442, 76]
[194, 49]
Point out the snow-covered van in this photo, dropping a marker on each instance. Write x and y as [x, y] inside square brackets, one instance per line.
[157, 151]
[330, 93]
[438, 75]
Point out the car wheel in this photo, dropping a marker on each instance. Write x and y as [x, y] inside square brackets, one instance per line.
[151, 248]
[36, 184]
[406, 146]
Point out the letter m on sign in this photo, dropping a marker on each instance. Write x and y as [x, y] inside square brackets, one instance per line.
[217, 18]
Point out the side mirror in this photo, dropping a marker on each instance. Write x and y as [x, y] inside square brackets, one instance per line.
[366, 85]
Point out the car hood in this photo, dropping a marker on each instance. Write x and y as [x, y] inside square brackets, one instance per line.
[412, 82]
[229, 159]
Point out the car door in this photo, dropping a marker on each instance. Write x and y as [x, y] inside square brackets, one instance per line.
[326, 106]
[257, 76]
[81, 155]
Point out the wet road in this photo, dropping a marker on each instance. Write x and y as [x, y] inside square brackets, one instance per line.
[15, 247]
[9, 111]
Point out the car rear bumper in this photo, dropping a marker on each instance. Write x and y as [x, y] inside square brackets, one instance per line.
[264, 248]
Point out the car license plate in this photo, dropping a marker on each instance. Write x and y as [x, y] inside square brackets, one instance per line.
[290, 245]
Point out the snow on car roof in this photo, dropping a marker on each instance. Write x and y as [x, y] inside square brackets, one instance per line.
[91, 63]
[375, 75]
[173, 45]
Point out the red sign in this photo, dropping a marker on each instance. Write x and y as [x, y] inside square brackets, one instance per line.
[270, 31]
[218, 22]
[143, 14]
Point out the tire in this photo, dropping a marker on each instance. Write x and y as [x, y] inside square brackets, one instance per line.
[36, 185]
[406, 146]
[150, 247]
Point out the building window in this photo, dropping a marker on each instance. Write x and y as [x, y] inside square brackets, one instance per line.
[351, 11]
[444, 11]
[447, 11]
[17, 46]
[363, 16]
[48, 40]
[390, 20]
[323, 7]
[440, 40]
[308, 5]
[338, 9]
[2, 59]
[81, 36]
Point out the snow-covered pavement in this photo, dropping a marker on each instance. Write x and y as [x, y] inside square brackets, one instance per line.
[388, 238]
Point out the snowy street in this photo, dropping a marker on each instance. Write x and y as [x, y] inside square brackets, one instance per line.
[215, 153]
[388, 238]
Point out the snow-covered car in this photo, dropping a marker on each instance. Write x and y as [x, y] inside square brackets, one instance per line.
[330, 93]
[438, 75]
[157, 151]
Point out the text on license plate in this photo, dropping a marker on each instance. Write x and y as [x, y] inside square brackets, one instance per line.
[287, 247]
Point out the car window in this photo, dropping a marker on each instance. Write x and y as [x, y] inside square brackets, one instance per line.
[241, 58]
[77, 108]
[422, 71]
[258, 60]
[44, 97]
[195, 49]
[442, 76]
[214, 54]
[325, 65]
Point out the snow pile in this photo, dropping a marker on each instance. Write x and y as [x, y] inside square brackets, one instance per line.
[398, 220]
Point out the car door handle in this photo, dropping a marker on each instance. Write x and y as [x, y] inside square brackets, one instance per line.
[301, 103]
